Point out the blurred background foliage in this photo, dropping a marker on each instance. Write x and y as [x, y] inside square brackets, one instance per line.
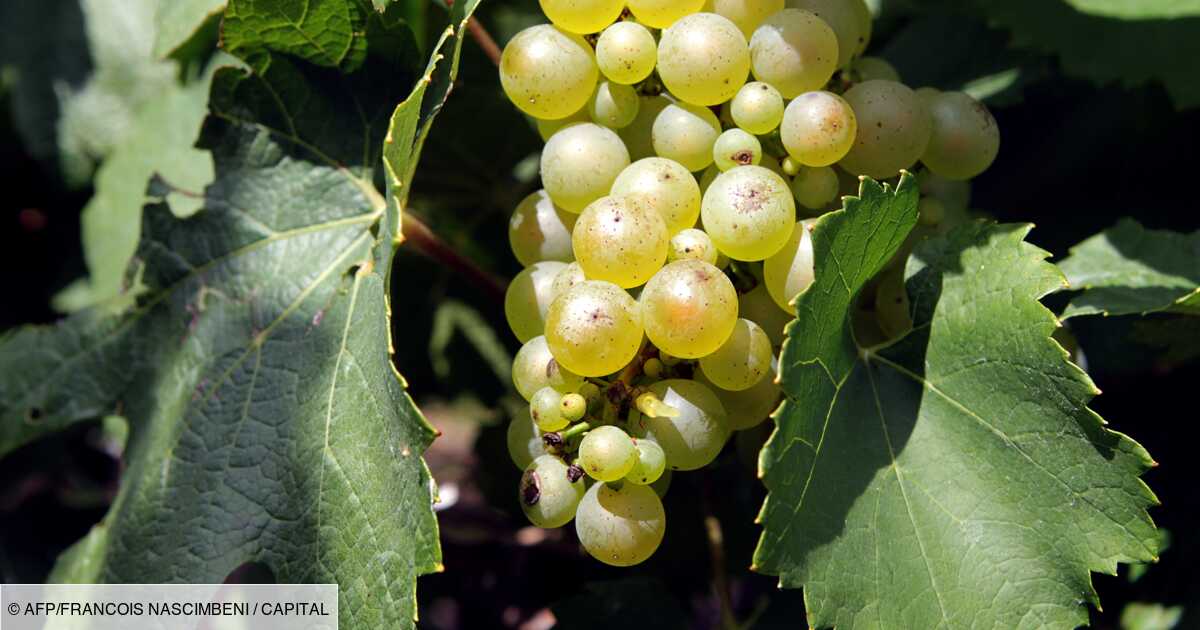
[1099, 106]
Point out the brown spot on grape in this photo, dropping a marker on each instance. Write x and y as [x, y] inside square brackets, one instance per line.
[743, 157]
[531, 488]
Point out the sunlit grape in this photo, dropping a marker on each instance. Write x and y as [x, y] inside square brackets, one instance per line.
[547, 72]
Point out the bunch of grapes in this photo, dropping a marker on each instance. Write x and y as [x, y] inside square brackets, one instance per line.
[689, 144]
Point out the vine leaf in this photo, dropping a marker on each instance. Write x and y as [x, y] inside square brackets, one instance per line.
[1139, 9]
[182, 22]
[956, 477]
[266, 420]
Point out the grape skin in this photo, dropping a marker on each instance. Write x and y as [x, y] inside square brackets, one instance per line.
[965, 138]
[650, 463]
[818, 128]
[639, 135]
[689, 308]
[607, 453]
[626, 53]
[534, 368]
[894, 129]
[736, 147]
[758, 306]
[594, 328]
[620, 527]
[703, 59]
[757, 108]
[539, 231]
[579, 164]
[613, 105]
[686, 133]
[750, 407]
[872, 68]
[794, 51]
[620, 242]
[666, 186]
[746, 14]
[692, 244]
[662, 13]
[528, 298]
[524, 441]
[545, 410]
[748, 212]
[582, 16]
[790, 271]
[570, 276]
[815, 187]
[742, 361]
[547, 72]
[843, 21]
[548, 498]
[694, 438]
[547, 128]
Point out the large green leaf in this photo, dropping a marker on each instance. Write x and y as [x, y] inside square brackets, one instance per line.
[955, 478]
[1139, 9]
[267, 422]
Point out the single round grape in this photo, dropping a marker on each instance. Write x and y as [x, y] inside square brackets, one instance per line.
[582, 16]
[594, 328]
[614, 105]
[547, 496]
[686, 133]
[689, 309]
[573, 407]
[528, 298]
[692, 244]
[758, 306]
[750, 407]
[626, 53]
[652, 368]
[736, 148]
[547, 72]
[893, 129]
[545, 410]
[931, 211]
[891, 304]
[865, 24]
[757, 108]
[742, 361]
[815, 187]
[746, 14]
[620, 242]
[791, 167]
[965, 138]
[538, 231]
[607, 453]
[620, 527]
[790, 271]
[703, 59]
[579, 164]
[534, 368]
[842, 18]
[524, 441]
[693, 438]
[794, 51]
[872, 68]
[662, 13]
[570, 276]
[547, 128]
[818, 128]
[748, 212]
[639, 136]
[649, 465]
[666, 186]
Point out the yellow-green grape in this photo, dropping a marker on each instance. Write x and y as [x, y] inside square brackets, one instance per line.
[614, 105]
[652, 368]
[547, 128]
[748, 212]
[662, 13]
[894, 129]
[815, 187]
[547, 72]
[626, 53]
[594, 328]
[791, 167]
[689, 309]
[931, 211]
[579, 164]
[528, 298]
[582, 16]
[843, 19]
[545, 410]
[872, 68]
[548, 497]
[534, 368]
[742, 360]
[663, 484]
[790, 271]
[538, 231]
[524, 441]
[965, 138]
[620, 242]
[693, 438]
[573, 407]
[759, 307]
[757, 108]
[666, 186]
[746, 14]
[607, 453]
[750, 407]
[818, 128]
[736, 148]
[794, 51]
[686, 133]
[570, 276]
[891, 304]
[692, 244]
[865, 24]
[650, 463]
[703, 59]
[638, 136]
[620, 526]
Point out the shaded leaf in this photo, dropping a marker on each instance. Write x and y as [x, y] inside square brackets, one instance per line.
[1139, 9]
[329, 33]
[1143, 616]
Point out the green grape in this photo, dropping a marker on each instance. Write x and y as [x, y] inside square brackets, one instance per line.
[547, 128]
[528, 298]
[693, 438]
[844, 21]
[862, 14]
[620, 242]
[663, 484]
[750, 407]
[893, 125]
[794, 51]
[607, 453]
[736, 148]
[662, 13]
[652, 368]
[746, 14]
[790, 271]
[818, 128]
[927, 95]
[703, 59]
[620, 527]
[639, 136]
[614, 105]
[545, 410]
[579, 164]
[689, 308]
[742, 361]
[626, 53]
[965, 138]
[757, 108]
[686, 133]
[594, 328]
[582, 16]
[815, 187]
[573, 407]
[538, 231]
[692, 244]
[534, 368]
[932, 212]
[891, 304]
[759, 307]
[547, 72]
[872, 68]
[570, 276]
[791, 167]
[649, 465]
[547, 496]
[748, 212]
[666, 186]
[524, 441]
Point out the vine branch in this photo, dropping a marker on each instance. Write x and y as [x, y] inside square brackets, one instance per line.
[485, 40]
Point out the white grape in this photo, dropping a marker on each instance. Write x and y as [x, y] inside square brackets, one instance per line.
[664, 185]
[626, 53]
[692, 244]
[620, 242]
[539, 231]
[794, 51]
[662, 13]
[686, 133]
[638, 136]
[746, 14]
[607, 453]
[547, 496]
[528, 298]
[872, 68]
[534, 368]
[693, 438]
[818, 128]
[613, 105]
[748, 212]
[620, 526]
[703, 59]
[547, 72]
[650, 464]
[582, 16]
[742, 360]
[579, 164]
[893, 129]
[843, 19]
[750, 407]
[594, 328]
[689, 308]
[790, 271]
[736, 147]
[524, 441]
[815, 187]
[965, 138]
[757, 108]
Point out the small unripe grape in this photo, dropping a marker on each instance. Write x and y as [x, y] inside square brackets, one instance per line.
[652, 368]
[545, 410]
[689, 308]
[746, 14]
[528, 297]
[582, 16]
[607, 453]
[594, 328]
[844, 21]
[649, 465]
[757, 108]
[742, 360]
[547, 496]
[736, 148]
[818, 128]
[613, 105]
[815, 187]
[748, 212]
[703, 58]
[790, 271]
[791, 167]
[664, 185]
[692, 244]
[620, 242]
[893, 129]
[872, 68]
[965, 138]
[686, 133]
[626, 53]
[534, 368]
[579, 164]
[547, 72]
[662, 13]
[573, 407]
[794, 51]
[620, 526]
[539, 231]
